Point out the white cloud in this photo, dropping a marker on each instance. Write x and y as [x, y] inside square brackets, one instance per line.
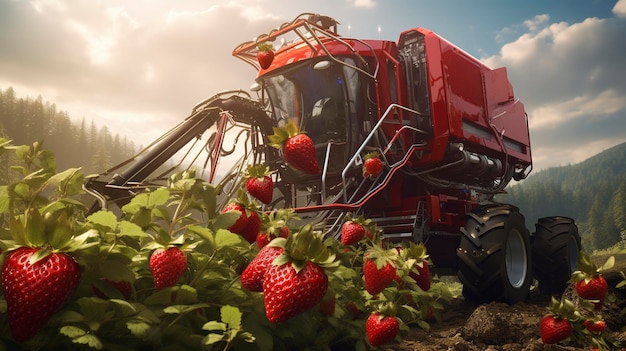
[620, 9]
[363, 3]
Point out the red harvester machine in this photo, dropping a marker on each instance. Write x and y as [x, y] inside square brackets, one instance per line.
[448, 128]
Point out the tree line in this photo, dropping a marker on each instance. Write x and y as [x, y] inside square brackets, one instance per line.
[593, 192]
[92, 148]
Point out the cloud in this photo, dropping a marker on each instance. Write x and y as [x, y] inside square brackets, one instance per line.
[572, 80]
[620, 9]
[363, 3]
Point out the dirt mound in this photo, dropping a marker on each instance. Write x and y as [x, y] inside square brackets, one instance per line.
[503, 327]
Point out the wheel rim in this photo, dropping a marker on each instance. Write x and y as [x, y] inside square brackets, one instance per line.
[516, 259]
[572, 254]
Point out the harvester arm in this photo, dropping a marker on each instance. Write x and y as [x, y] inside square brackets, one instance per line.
[123, 186]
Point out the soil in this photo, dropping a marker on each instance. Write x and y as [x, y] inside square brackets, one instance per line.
[503, 327]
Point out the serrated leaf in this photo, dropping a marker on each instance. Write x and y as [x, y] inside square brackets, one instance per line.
[139, 328]
[231, 316]
[93, 308]
[158, 197]
[214, 325]
[89, 340]
[205, 233]
[212, 339]
[116, 271]
[106, 220]
[225, 220]
[72, 331]
[186, 295]
[225, 238]
[131, 229]
[69, 182]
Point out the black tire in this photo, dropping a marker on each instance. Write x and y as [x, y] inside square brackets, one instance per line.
[556, 246]
[495, 255]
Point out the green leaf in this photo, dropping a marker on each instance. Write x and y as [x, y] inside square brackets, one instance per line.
[225, 220]
[89, 340]
[105, 221]
[5, 200]
[212, 339]
[225, 238]
[116, 270]
[35, 228]
[72, 332]
[186, 295]
[93, 308]
[214, 325]
[69, 182]
[131, 229]
[231, 316]
[158, 197]
[139, 327]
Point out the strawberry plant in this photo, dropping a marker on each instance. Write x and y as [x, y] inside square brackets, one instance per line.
[173, 271]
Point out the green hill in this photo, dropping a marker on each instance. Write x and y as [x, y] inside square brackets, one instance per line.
[593, 192]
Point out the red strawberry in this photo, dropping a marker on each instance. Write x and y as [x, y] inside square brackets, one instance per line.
[265, 55]
[259, 183]
[553, 329]
[265, 237]
[595, 326]
[242, 221]
[252, 228]
[594, 288]
[167, 266]
[122, 286]
[421, 275]
[351, 232]
[381, 329]
[372, 166]
[252, 276]
[298, 149]
[327, 305]
[34, 291]
[288, 293]
[378, 274]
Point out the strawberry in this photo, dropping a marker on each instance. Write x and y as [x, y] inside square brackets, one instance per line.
[327, 305]
[167, 266]
[122, 286]
[372, 166]
[298, 149]
[252, 276]
[252, 228]
[420, 272]
[554, 329]
[595, 326]
[381, 329]
[588, 279]
[35, 289]
[379, 269]
[351, 232]
[259, 183]
[594, 288]
[265, 55]
[265, 237]
[241, 223]
[288, 292]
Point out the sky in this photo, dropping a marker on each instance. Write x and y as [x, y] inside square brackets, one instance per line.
[138, 67]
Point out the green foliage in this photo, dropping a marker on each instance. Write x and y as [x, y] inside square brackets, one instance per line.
[208, 309]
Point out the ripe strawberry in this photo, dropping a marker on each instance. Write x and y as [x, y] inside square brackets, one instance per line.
[372, 166]
[327, 305]
[252, 276]
[381, 329]
[594, 288]
[298, 149]
[252, 228]
[34, 291]
[553, 329]
[351, 232]
[259, 183]
[241, 223]
[265, 55]
[122, 286]
[167, 266]
[288, 293]
[378, 274]
[595, 326]
[421, 275]
[265, 237]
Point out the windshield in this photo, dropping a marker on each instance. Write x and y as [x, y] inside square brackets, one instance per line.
[321, 101]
